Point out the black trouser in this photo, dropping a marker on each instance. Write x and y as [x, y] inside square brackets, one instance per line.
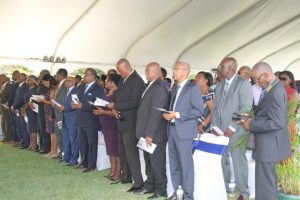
[156, 169]
[88, 145]
[6, 124]
[129, 158]
[43, 136]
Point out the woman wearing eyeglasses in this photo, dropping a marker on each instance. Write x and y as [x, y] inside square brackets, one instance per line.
[288, 80]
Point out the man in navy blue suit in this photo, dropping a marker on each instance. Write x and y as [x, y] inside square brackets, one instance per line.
[19, 101]
[69, 131]
[87, 123]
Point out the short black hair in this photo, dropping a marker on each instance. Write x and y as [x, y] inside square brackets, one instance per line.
[114, 78]
[103, 77]
[163, 72]
[51, 79]
[78, 77]
[63, 72]
[208, 76]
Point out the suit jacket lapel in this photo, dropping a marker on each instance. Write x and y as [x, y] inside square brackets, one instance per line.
[184, 89]
[149, 90]
[89, 90]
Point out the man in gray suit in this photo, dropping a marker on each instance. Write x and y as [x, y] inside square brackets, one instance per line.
[272, 142]
[60, 95]
[233, 95]
[153, 128]
[185, 108]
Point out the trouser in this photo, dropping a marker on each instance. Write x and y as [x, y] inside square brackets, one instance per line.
[6, 124]
[43, 136]
[240, 168]
[129, 157]
[70, 141]
[181, 163]
[156, 169]
[265, 181]
[88, 138]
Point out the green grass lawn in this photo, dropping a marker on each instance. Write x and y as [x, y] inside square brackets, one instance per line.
[25, 175]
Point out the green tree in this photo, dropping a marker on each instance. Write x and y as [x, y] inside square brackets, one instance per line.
[8, 69]
[81, 71]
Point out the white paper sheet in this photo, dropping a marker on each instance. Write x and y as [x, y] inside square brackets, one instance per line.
[143, 146]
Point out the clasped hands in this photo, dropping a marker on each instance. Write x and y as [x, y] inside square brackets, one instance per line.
[170, 115]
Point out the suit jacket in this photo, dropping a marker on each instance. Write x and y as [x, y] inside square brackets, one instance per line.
[12, 93]
[127, 101]
[149, 120]
[272, 141]
[19, 100]
[5, 93]
[238, 98]
[60, 98]
[84, 117]
[190, 107]
[68, 110]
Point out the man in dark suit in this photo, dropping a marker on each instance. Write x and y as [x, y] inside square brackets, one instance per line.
[86, 122]
[18, 103]
[185, 108]
[129, 92]
[69, 131]
[59, 97]
[14, 85]
[233, 95]
[269, 125]
[5, 111]
[153, 128]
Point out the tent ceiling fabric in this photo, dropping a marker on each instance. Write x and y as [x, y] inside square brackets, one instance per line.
[200, 32]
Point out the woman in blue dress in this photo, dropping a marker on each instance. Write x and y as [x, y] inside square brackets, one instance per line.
[32, 83]
[204, 80]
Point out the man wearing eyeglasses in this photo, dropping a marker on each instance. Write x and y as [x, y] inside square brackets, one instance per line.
[272, 142]
[185, 108]
[233, 95]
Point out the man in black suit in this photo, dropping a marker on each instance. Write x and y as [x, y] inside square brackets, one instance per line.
[269, 125]
[129, 92]
[18, 103]
[153, 128]
[5, 111]
[87, 123]
[14, 85]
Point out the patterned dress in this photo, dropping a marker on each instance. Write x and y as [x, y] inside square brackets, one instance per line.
[208, 96]
[49, 115]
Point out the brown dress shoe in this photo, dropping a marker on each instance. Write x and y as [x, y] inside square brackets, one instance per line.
[241, 197]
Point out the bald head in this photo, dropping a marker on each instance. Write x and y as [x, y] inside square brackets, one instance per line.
[123, 67]
[181, 71]
[152, 71]
[245, 72]
[262, 67]
[228, 67]
[262, 74]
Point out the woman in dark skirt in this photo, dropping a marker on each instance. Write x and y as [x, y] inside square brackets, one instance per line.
[32, 83]
[109, 126]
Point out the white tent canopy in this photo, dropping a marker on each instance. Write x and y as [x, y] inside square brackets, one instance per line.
[201, 32]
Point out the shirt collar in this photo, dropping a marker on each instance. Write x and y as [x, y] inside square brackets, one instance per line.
[21, 84]
[230, 80]
[60, 83]
[90, 84]
[129, 75]
[183, 83]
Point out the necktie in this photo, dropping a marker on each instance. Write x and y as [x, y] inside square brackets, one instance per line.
[226, 87]
[86, 88]
[174, 97]
[262, 94]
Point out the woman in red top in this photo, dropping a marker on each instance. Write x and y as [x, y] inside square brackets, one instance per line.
[288, 80]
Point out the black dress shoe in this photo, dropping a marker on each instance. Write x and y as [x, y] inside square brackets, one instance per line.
[144, 191]
[157, 195]
[126, 181]
[79, 166]
[85, 170]
[42, 152]
[172, 198]
[135, 189]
